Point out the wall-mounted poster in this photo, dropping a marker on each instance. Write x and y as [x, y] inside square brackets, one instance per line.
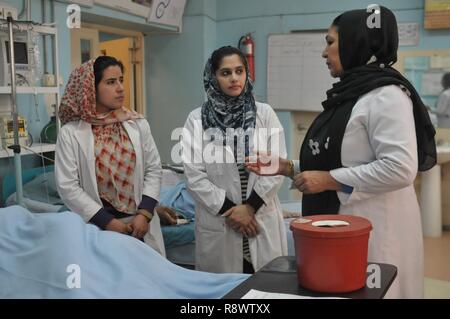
[437, 14]
[167, 12]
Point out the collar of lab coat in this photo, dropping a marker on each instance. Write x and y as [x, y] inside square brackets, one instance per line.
[85, 137]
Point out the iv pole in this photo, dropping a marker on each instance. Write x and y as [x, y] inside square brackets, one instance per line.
[16, 146]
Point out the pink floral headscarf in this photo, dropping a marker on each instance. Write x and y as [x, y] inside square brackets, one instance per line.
[79, 100]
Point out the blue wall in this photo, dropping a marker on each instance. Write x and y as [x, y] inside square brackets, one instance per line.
[175, 62]
[38, 117]
[175, 72]
[174, 79]
[264, 17]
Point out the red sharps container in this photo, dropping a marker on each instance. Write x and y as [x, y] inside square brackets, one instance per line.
[331, 252]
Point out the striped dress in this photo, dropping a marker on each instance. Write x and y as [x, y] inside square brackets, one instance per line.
[243, 174]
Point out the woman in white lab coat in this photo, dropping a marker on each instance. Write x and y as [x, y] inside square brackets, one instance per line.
[107, 167]
[361, 154]
[443, 103]
[239, 223]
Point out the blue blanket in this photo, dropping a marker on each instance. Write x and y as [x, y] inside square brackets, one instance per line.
[50, 255]
[178, 198]
[178, 235]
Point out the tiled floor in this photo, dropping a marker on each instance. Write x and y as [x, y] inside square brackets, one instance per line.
[437, 266]
[437, 289]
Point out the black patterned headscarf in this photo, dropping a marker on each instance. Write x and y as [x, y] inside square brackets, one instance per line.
[222, 111]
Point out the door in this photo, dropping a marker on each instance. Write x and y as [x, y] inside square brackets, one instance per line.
[126, 46]
[121, 49]
[85, 45]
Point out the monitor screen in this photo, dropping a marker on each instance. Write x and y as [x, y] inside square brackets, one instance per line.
[20, 52]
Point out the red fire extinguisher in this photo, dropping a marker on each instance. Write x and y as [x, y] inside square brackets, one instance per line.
[247, 46]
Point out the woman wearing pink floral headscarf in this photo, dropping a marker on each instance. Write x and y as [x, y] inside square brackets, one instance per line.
[107, 167]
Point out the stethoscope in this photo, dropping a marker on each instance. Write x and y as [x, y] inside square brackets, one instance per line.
[161, 8]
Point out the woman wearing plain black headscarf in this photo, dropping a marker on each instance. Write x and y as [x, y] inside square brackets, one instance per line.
[361, 154]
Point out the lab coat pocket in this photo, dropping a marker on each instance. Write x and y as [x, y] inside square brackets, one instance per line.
[209, 251]
[210, 222]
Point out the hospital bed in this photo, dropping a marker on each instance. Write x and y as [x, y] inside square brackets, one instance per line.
[58, 255]
[40, 195]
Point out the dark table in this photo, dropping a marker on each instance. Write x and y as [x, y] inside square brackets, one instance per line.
[280, 276]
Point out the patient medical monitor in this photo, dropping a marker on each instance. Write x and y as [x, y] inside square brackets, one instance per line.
[22, 57]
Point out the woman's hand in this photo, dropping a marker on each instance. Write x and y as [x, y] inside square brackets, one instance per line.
[118, 226]
[167, 215]
[139, 226]
[265, 164]
[242, 219]
[251, 230]
[313, 182]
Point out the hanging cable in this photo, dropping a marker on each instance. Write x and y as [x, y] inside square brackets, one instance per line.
[44, 169]
[36, 107]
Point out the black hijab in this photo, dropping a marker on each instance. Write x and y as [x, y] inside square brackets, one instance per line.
[366, 56]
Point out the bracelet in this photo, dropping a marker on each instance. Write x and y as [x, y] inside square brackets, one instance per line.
[146, 214]
[291, 168]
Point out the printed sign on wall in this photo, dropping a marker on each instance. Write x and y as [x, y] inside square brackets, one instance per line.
[167, 12]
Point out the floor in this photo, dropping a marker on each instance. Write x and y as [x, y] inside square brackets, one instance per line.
[437, 266]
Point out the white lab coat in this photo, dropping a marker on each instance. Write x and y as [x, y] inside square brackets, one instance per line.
[443, 109]
[379, 155]
[219, 247]
[76, 179]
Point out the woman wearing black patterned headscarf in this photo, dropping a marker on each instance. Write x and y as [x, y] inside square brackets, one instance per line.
[361, 154]
[239, 223]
